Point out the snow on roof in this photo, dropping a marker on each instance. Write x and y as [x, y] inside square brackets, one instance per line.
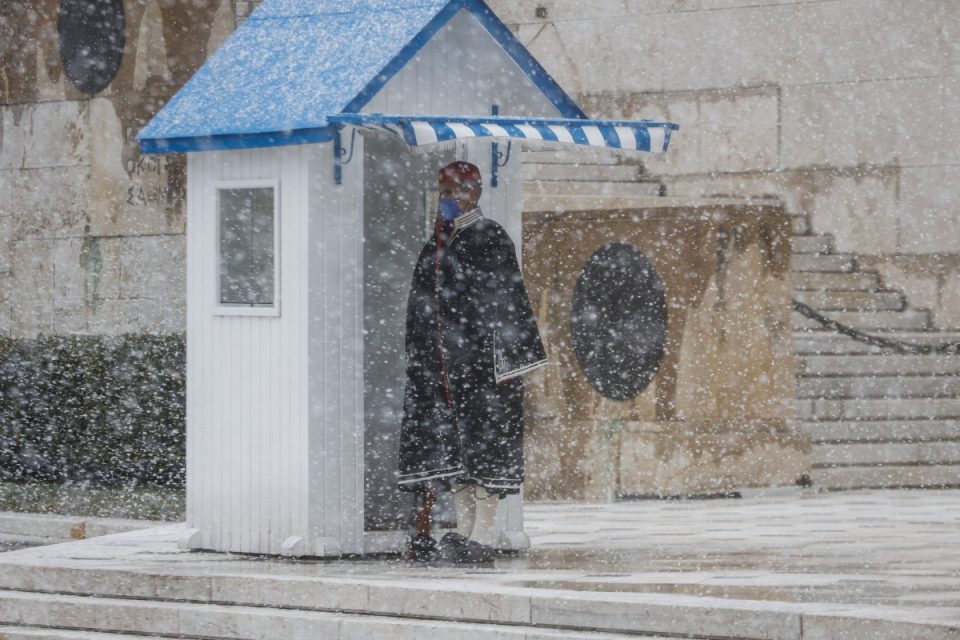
[293, 63]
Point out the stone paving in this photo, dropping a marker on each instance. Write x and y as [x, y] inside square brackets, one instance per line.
[874, 564]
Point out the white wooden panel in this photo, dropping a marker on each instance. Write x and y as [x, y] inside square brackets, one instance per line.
[246, 376]
[336, 353]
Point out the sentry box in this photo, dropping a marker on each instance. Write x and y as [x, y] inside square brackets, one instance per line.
[307, 206]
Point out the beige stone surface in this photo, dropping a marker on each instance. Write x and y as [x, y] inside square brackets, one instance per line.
[950, 92]
[57, 134]
[728, 358]
[111, 317]
[949, 312]
[31, 309]
[12, 135]
[888, 121]
[863, 40]
[717, 49]
[162, 316]
[6, 242]
[130, 193]
[6, 283]
[739, 133]
[47, 202]
[707, 458]
[154, 267]
[858, 208]
[929, 208]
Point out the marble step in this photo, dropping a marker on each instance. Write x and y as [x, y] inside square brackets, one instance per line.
[821, 342]
[223, 622]
[830, 263]
[895, 386]
[533, 172]
[836, 281]
[880, 430]
[852, 300]
[877, 409]
[872, 364]
[593, 189]
[869, 321]
[887, 477]
[65, 527]
[37, 633]
[813, 244]
[886, 453]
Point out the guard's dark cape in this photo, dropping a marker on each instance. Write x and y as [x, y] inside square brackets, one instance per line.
[471, 334]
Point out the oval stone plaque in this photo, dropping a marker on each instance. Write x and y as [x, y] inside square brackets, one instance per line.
[92, 35]
[619, 321]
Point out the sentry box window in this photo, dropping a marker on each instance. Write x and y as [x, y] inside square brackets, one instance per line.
[248, 248]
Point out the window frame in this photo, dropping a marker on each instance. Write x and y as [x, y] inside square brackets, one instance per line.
[220, 308]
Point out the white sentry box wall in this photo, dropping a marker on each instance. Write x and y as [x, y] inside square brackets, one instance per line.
[275, 404]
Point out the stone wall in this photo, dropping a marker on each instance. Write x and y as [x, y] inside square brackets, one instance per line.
[717, 415]
[849, 110]
[92, 232]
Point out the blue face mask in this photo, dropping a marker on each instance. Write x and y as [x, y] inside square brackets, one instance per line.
[449, 209]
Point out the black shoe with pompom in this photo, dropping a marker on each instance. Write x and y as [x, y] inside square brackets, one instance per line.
[422, 548]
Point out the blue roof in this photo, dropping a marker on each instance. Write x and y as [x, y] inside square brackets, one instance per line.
[293, 63]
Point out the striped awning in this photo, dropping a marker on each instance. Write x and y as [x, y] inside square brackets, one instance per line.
[420, 131]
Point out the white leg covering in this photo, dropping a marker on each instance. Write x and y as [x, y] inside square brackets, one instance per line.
[486, 518]
[465, 501]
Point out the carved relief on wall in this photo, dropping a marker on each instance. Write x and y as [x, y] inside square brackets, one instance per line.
[707, 414]
[122, 59]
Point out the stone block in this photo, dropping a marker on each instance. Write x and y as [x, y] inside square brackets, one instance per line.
[113, 317]
[858, 208]
[57, 135]
[254, 623]
[6, 283]
[130, 193]
[674, 615]
[154, 267]
[466, 602]
[69, 272]
[734, 48]
[705, 459]
[948, 315]
[739, 132]
[950, 91]
[890, 121]
[31, 308]
[861, 39]
[46, 203]
[929, 210]
[878, 625]
[6, 239]
[619, 60]
[162, 316]
[288, 591]
[12, 137]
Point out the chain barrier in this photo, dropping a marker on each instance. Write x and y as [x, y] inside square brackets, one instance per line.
[897, 346]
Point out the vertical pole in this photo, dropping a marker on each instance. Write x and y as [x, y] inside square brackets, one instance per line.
[495, 160]
[338, 158]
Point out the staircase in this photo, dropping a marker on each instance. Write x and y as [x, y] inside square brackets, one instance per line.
[876, 418]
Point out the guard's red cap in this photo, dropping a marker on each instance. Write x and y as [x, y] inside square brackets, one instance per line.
[459, 173]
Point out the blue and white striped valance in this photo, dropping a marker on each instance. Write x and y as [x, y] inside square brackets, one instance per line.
[420, 131]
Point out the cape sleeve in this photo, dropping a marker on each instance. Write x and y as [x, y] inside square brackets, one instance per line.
[504, 306]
